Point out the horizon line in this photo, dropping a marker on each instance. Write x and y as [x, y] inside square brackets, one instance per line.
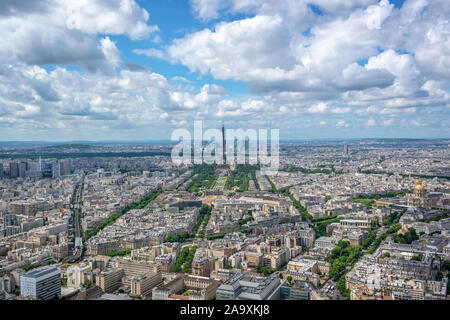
[172, 141]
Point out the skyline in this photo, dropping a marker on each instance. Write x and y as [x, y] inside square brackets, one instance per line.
[168, 141]
[137, 70]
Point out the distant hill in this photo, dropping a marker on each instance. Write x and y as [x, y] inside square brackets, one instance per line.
[71, 146]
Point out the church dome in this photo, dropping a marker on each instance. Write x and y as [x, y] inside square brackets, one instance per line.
[419, 185]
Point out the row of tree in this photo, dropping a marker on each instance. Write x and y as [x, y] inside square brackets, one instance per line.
[301, 209]
[216, 236]
[184, 261]
[179, 237]
[341, 256]
[120, 253]
[206, 211]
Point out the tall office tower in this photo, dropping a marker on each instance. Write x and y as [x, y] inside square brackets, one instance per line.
[33, 169]
[223, 145]
[22, 169]
[33, 166]
[64, 167]
[1, 171]
[61, 166]
[55, 170]
[43, 283]
[346, 149]
[13, 170]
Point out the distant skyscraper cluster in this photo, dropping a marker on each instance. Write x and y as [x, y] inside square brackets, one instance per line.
[21, 169]
[30, 168]
[61, 168]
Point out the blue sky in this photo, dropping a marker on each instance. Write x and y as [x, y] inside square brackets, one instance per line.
[139, 69]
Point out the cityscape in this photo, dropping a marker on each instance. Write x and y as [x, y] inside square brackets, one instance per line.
[359, 220]
[203, 151]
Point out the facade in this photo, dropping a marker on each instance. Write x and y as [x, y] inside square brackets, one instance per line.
[60, 251]
[143, 285]
[136, 268]
[325, 242]
[186, 287]
[13, 170]
[22, 169]
[75, 275]
[110, 280]
[307, 237]
[102, 248]
[353, 223]
[43, 283]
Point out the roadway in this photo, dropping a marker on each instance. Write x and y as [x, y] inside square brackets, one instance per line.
[76, 210]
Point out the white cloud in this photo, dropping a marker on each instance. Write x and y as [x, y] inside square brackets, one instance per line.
[181, 79]
[238, 50]
[110, 51]
[342, 124]
[156, 39]
[376, 14]
[64, 33]
[360, 60]
[415, 123]
[151, 53]
[107, 17]
[318, 108]
[364, 52]
[341, 110]
[272, 57]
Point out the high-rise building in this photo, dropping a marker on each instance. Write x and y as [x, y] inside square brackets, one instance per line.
[22, 169]
[346, 149]
[43, 283]
[13, 170]
[34, 169]
[1, 171]
[55, 170]
[223, 145]
[65, 167]
[61, 168]
[34, 166]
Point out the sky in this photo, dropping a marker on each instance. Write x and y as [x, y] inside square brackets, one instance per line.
[139, 69]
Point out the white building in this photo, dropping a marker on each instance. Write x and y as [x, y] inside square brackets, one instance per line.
[74, 275]
[43, 283]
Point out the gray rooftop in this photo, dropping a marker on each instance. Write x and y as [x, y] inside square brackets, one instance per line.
[38, 272]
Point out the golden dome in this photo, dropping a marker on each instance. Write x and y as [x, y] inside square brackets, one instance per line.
[419, 185]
